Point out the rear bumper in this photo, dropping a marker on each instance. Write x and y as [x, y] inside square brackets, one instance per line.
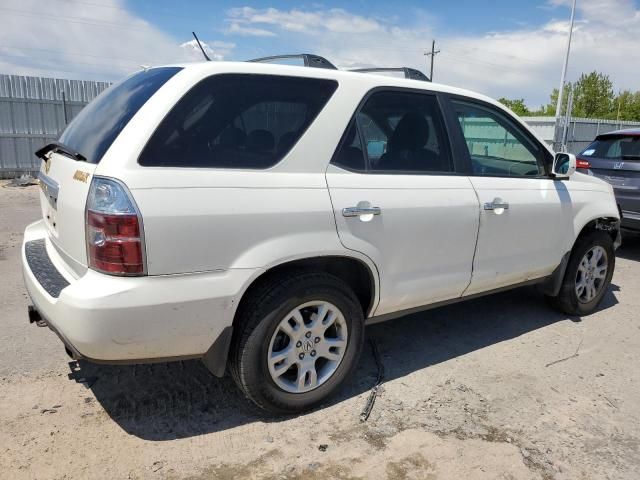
[129, 319]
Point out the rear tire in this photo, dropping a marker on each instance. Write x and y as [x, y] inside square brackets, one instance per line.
[296, 339]
[588, 274]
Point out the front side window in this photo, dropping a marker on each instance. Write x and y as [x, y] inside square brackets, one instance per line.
[497, 147]
[237, 121]
[400, 132]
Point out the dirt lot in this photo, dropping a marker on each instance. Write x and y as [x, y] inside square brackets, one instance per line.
[501, 387]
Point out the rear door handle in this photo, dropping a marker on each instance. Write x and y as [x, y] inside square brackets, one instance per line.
[357, 211]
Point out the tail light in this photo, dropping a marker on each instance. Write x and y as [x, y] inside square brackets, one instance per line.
[114, 229]
[582, 163]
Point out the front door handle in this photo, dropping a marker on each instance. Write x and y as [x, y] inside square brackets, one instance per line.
[358, 211]
[497, 204]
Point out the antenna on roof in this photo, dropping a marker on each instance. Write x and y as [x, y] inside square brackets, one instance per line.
[200, 45]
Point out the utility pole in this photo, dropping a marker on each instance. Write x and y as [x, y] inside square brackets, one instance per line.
[432, 54]
[567, 122]
[566, 63]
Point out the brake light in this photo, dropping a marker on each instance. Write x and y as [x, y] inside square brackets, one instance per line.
[581, 163]
[114, 229]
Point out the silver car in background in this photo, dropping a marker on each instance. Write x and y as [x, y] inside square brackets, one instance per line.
[615, 158]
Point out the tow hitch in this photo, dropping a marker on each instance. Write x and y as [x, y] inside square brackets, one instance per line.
[34, 317]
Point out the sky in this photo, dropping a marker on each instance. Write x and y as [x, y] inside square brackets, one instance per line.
[503, 48]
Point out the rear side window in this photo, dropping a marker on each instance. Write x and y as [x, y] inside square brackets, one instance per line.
[237, 121]
[399, 132]
[94, 129]
[615, 148]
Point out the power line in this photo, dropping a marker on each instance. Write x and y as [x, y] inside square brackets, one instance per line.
[491, 52]
[69, 19]
[70, 62]
[449, 57]
[72, 54]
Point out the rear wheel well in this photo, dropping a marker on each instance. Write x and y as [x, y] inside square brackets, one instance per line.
[353, 272]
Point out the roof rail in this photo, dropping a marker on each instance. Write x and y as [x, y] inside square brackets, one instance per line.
[309, 60]
[411, 73]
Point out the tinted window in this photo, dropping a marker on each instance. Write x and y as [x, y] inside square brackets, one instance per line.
[95, 128]
[496, 145]
[404, 132]
[616, 148]
[350, 155]
[237, 121]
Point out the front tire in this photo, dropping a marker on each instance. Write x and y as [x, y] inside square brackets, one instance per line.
[588, 274]
[297, 338]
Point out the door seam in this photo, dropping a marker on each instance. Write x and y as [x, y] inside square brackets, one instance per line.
[475, 250]
[335, 222]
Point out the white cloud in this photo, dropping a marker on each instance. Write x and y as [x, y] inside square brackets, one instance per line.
[215, 50]
[238, 29]
[334, 20]
[525, 62]
[86, 40]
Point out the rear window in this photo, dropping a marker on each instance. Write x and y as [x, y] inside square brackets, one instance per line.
[237, 121]
[614, 147]
[95, 128]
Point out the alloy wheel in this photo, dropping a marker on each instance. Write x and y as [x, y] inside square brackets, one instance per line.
[307, 347]
[592, 274]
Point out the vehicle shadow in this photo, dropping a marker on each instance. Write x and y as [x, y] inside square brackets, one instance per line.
[166, 401]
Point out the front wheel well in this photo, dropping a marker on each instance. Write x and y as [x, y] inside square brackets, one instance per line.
[609, 225]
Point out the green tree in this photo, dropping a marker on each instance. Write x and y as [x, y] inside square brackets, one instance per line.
[627, 106]
[593, 96]
[517, 106]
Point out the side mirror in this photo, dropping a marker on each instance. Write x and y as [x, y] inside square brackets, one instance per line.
[564, 165]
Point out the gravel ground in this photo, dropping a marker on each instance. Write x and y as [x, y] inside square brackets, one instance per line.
[500, 387]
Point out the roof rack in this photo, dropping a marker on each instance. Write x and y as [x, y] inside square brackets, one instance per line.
[309, 60]
[411, 73]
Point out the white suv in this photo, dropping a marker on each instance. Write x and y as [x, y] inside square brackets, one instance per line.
[258, 216]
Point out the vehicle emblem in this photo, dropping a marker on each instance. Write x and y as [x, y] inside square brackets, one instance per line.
[618, 165]
[47, 165]
[307, 346]
[81, 176]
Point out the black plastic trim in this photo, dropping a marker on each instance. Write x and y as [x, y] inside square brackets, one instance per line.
[551, 286]
[409, 73]
[309, 59]
[393, 315]
[43, 269]
[216, 357]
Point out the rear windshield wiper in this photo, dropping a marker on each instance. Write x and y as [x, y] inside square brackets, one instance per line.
[60, 148]
[631, 157]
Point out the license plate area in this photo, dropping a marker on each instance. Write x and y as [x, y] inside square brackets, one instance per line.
[50, 189]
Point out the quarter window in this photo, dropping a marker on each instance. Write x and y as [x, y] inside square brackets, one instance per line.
[496, 146]
[96, 127]
[237, 121]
